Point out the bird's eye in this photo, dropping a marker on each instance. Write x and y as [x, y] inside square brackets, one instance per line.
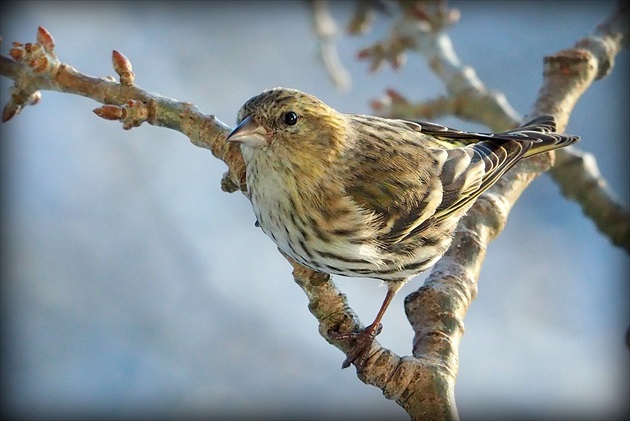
[290, 118]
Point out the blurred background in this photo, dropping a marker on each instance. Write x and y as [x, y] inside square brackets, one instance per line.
[133, 286]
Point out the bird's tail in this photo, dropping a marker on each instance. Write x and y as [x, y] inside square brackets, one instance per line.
[536, 136]
[541, 132]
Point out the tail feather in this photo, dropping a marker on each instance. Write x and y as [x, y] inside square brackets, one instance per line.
[536, 136]
[541, 132]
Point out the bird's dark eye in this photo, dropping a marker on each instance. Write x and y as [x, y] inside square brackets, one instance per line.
[290, 118]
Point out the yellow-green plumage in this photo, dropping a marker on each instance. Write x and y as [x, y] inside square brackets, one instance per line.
[365, 196]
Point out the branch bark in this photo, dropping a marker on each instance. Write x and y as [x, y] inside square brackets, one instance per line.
[576, 172]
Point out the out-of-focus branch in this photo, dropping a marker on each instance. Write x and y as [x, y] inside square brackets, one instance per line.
[361, 21]
[420, 28]
[326, 31]
[576, 172]
[578, 176]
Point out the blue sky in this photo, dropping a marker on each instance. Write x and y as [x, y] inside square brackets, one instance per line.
[135, 285]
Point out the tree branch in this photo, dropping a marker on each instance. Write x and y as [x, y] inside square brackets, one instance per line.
[420, 29]
[35, 67]
[437, 309]
[424, 385]
[326, 31]
[565, 79]
[578, 176]
[576, 172]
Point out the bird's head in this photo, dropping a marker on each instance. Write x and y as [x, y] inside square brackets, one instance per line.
[289, 124]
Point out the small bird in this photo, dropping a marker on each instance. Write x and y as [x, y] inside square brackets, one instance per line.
[365, 196]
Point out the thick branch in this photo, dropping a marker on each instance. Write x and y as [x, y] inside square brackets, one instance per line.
[437, 309]
[576, 172]
[423, 386]
[564, 82]
[579, 178]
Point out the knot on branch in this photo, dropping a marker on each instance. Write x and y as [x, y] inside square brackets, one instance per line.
[422, 383]
[491, 211]
[574, 62]
[603, 50]
[132, 114]
[39, 59]
[435, 310]
[39, 56]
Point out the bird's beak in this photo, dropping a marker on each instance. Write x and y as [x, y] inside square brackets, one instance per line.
[248, 133]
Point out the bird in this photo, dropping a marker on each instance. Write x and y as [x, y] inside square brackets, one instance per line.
[366, 196]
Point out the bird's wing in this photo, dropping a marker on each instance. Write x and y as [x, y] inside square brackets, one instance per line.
[465, 173]
[470, 170]
[393, 175]
[444, 172]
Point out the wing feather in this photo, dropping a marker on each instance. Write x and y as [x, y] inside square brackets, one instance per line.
[433, 172]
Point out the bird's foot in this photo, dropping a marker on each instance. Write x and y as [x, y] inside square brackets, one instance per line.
[362, 343]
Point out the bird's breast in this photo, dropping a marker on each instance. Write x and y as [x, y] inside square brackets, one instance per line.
[314, 224]
[323, 228]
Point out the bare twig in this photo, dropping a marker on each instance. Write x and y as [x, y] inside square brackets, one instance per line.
[361, 21]
[420, 29]
[326, 31]
[36, 67]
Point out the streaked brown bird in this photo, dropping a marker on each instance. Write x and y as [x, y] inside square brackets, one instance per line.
[365, 196]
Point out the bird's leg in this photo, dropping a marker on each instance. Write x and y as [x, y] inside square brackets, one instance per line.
[364, 338]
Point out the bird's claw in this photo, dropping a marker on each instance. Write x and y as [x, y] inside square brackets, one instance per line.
[362, 343]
